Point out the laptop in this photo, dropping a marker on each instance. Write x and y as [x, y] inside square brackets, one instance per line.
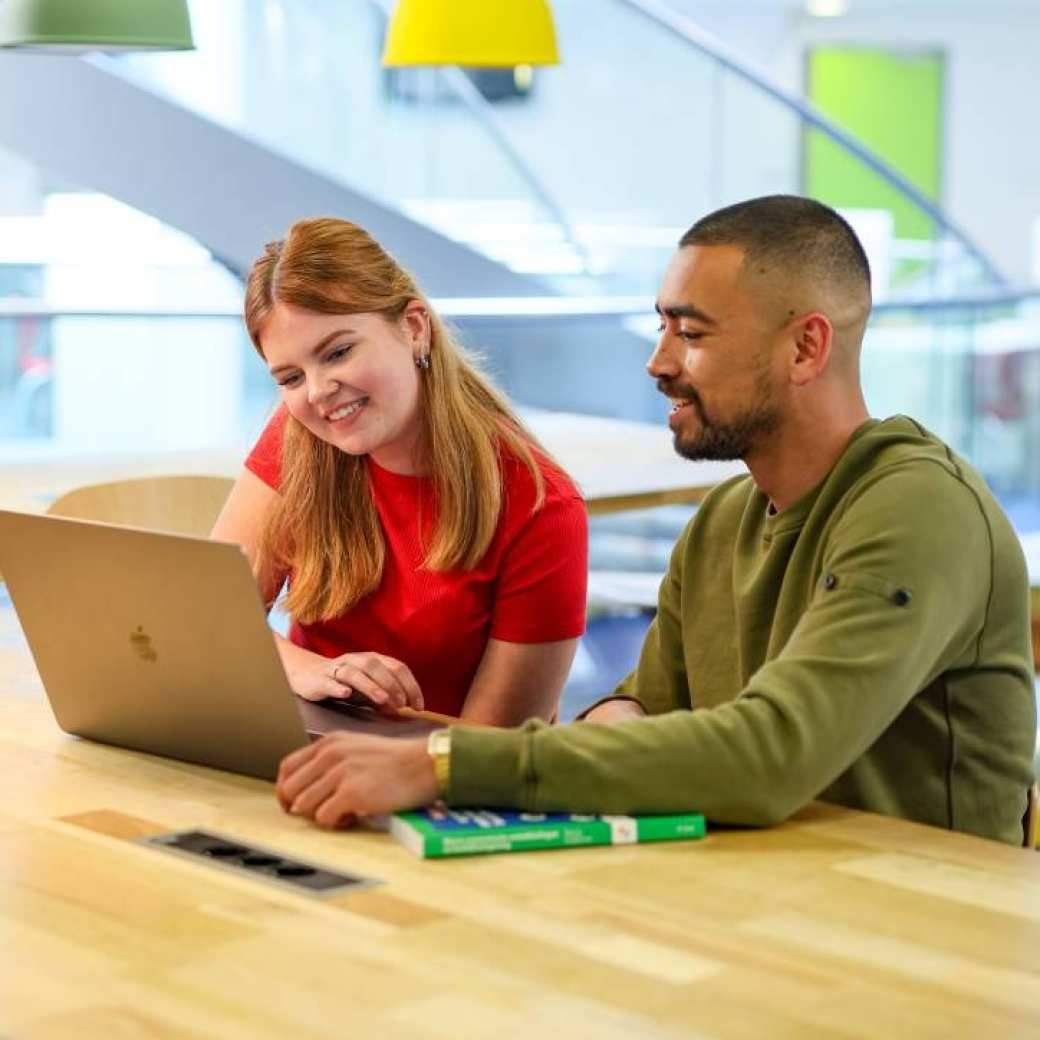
[160, 643]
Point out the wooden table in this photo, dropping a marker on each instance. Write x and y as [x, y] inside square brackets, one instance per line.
[618, 465]
[837, 924]
[626, 465]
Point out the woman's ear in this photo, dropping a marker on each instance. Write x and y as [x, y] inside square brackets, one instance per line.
[415, 321]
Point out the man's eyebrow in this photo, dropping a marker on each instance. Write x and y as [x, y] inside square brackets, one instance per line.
[686, 310]
[316, 349]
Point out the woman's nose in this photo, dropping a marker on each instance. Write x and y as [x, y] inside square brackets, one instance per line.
[319, 389]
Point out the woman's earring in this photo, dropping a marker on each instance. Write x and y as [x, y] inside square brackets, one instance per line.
[423, 361]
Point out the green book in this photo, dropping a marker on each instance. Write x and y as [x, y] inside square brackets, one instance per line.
[436, 832]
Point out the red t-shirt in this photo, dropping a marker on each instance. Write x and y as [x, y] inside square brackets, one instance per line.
[528, 588]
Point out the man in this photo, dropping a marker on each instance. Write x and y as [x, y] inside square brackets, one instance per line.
[848, 623]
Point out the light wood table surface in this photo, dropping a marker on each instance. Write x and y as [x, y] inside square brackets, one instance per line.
[623, 465]
[618, 465]
[837, 924]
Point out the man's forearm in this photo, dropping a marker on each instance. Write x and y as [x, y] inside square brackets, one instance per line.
[648, 765]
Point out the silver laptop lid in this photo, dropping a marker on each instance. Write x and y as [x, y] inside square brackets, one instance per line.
[151, 641]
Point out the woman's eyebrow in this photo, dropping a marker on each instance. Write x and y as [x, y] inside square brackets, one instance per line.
[317, 348]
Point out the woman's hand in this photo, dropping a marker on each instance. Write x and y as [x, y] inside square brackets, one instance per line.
[381, 680]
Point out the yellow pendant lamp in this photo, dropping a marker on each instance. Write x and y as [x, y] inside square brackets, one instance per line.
[80, 26]
[475, 33]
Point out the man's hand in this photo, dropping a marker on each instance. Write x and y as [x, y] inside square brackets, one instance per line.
[615, 711]
[346, 775]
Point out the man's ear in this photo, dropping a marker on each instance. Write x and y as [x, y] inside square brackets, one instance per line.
[813, 339]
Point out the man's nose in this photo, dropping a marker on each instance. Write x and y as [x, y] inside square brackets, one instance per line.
[664, 361]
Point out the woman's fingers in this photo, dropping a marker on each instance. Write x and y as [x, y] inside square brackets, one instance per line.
[394, 677]
[317, 683]
[383, 680]
[329, 687]
[335, 686]
[407, 682]
[361, 681]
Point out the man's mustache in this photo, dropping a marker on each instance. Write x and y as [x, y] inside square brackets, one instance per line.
[678, 391]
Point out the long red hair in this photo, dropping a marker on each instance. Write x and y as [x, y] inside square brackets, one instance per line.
[324, 527]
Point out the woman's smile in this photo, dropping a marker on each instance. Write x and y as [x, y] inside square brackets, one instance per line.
[344, 415]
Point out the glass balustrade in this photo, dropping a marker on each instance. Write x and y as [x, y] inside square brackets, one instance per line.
[99, 380]
[101, 383]
[971, 372]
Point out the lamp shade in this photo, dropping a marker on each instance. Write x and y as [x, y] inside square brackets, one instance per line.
[481, 33]
[78, 26]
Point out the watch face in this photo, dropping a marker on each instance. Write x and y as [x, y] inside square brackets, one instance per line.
[439, 742]
[438, 746]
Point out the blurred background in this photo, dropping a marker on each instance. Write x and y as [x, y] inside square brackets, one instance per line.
[537, 206]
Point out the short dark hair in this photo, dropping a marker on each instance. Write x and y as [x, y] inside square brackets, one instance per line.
[790, 233]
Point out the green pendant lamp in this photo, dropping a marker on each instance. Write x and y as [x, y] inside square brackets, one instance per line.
[474, 33]
[80, 26]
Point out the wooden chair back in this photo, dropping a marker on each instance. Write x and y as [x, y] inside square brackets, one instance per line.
[178, 504]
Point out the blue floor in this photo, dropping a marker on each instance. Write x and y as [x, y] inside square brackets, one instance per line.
[607, 653]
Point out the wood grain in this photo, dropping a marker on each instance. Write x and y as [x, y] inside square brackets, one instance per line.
[836, 924]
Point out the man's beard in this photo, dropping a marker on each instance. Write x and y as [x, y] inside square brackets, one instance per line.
[720, 441]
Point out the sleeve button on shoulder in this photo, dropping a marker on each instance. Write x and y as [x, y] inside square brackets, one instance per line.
[901, 597]
[830, 581]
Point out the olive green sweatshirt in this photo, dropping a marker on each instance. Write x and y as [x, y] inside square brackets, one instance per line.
[869, 645]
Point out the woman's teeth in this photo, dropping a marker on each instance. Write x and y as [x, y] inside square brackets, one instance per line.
[347, 409]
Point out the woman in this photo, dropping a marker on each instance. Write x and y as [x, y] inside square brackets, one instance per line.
[436, 556]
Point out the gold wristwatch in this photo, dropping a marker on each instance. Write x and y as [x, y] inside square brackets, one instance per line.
[438, 747]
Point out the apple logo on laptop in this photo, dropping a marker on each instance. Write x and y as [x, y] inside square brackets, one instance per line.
[142, 644]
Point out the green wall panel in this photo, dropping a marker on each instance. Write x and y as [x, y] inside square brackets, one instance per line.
[893, 103]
